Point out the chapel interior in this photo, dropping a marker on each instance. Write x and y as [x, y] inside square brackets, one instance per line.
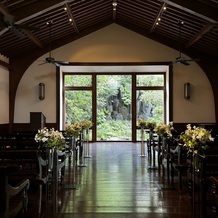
[62, 152]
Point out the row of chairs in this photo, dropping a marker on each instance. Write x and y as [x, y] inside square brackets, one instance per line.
[199, 173]
[13, 199]
[36, 173]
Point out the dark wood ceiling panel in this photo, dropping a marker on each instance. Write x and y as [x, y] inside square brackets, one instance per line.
[198, 32]
[213, 3]
[89, 16]
[186, 34]
[209, 41]
[141, 14]
[91, 13]
[17, 4]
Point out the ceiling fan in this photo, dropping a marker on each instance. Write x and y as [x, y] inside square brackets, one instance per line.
[181, 59]
[50, 59]
[8, 22]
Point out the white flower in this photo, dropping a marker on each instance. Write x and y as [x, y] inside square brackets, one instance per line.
[50, 138]
[195, 138]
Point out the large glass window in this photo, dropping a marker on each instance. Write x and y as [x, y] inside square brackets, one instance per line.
[78, 98]
[78, 80]
[115, 100]
[150, 80]
[78, 105]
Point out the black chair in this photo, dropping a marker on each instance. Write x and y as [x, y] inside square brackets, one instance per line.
[179, 164]
[214, 195]
[13, 199]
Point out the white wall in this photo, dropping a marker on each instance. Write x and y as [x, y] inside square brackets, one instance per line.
[116, 44]
[4, 93]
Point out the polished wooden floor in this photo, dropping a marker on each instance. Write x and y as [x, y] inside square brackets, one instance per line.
[116, 182]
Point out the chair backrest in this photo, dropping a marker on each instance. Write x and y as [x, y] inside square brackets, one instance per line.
[8, 206]
[3, 185]
[43, 166]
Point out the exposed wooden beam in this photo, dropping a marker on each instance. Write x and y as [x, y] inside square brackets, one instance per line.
[3, 9]
[71, 17]
[114, 8]
[4, 64]
[32, 37]
[161, 9]
[38, 8]
[3, 31]
[203, 31]
[196, 8]
[5, 12]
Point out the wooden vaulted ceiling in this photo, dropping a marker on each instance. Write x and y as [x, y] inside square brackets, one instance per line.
[199, 38]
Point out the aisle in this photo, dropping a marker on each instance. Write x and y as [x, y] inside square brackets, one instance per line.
[116, 183]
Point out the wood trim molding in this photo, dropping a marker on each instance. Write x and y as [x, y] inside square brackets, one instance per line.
[4, 64]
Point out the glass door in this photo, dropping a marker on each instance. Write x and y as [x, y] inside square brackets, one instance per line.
[115, 102]
[114, 107]
[78, 98]
[150, 95]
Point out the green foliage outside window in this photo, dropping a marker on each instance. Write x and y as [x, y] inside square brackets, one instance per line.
[114, 122]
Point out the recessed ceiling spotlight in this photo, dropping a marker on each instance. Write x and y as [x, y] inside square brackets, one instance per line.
[65, 8]
[48, 23]
[180, 22]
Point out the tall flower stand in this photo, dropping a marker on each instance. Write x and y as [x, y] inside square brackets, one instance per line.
[55, 182]
[198, 194]
[165, 160]
[46, 160]
[80, 143]
[71, 183]
[166, 153]
[151, 146]
[142, 143]
[47, 155]
[87, 155]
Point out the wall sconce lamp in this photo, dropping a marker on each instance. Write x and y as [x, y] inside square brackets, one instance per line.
[41, 91]
[187, 90]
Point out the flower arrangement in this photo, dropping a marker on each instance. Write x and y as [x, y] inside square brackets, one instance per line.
[86, 124]
[50, 138]
[146, 124]
[151, 125]
[195, 139]
[142, 124]
[73, 130]
[164, 129]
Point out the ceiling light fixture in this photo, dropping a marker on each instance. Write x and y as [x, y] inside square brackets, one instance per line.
[49, 23]
[160, 14]
[114, 4]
